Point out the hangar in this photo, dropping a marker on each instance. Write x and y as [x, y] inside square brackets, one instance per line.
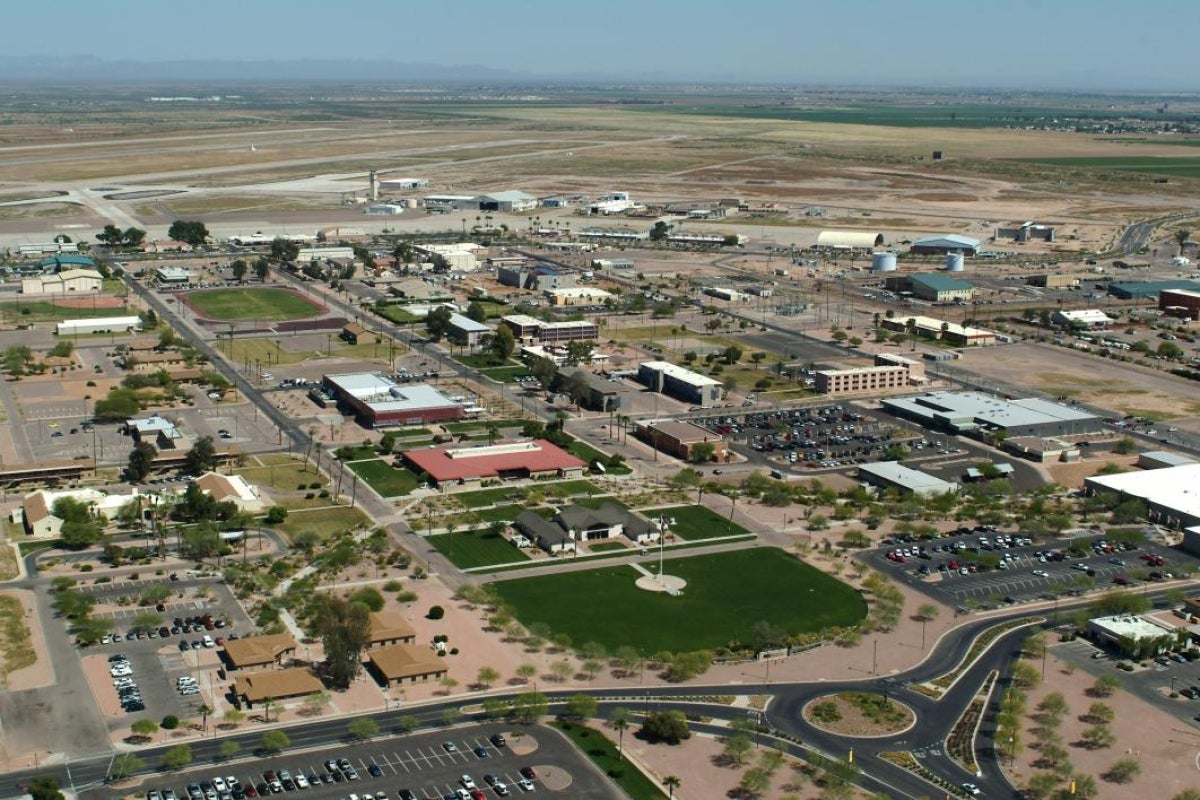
[849, 240]
[950, 243]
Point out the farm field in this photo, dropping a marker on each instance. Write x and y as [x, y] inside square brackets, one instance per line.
[1181, 166]
[726, 593]
[257, 303]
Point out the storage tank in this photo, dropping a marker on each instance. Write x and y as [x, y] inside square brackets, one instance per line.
[409, 202]
[954, 262]
[883, 262]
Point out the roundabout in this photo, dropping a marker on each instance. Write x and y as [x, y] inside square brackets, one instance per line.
[859, 714]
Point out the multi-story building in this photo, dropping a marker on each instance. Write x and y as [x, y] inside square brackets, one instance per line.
[683, 384]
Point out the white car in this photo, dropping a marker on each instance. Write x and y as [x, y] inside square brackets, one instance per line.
[970, 788]
[1041, 573]
[219, 784]
[301, 780]
[525, 784]
[467, 781]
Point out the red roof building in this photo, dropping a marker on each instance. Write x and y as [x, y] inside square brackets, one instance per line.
[461, 465]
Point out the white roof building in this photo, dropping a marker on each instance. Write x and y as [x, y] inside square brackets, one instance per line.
[850, 240]
[98, 325]
[1090, 317]
[1172, 494]
[893, 474]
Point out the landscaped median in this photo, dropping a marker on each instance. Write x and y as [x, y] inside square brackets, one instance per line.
[938, 686]
[906, 760]
[960, 743]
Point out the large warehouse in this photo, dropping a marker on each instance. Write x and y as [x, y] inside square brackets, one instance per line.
[1172, 494]
[511, 460]
[849, 240]
[968, 412]
[936, 287]
[378, 401]
[98, 325]
[950, 243]
[894, 475]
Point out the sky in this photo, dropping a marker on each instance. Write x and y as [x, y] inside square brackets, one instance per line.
[1033, 44]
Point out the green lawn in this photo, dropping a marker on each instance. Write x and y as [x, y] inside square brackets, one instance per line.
[726, 594]
[482, 425]
[256, 303]
[324, 522]
[481, 360]
[397, 314]
[476, 548]
[46, 310]
[505, 374]
[511, 494]
[1182, 166]
[384, 478]
[604, 755]
[698, 522]
[586, 452]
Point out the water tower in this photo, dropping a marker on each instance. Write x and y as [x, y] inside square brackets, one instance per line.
[954, 261]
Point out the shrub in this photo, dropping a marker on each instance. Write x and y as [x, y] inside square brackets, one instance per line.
[436, 612]
[169, 723]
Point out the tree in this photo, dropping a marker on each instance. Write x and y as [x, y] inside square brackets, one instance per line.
[228, 750]
[672, 783]
[658, 232]
[144, 728]
[345, 631]
[579, 351]
[525, 672]
[561, 670]
[194, 232]
[141, 461]
[502, 343]
[1025, 675]
[368, 596]
[282, 250]
[202, 457]
[544, 370]
[262, 269]
[1040, 785]
[703, 452]
[736, 748]
[486, 676]
[670, 727]
[111, 236]
[124, 766]
[437, 322]
[1123, 770]
[362, 728]
[754, 782]
[1100, 713]
[620, 723]
[44, 787]
[240, 268]
[133, 238]
[476, 311]
[177, 757]
[580, 707]
[16, 358]
[1085, 787]
[1186, 794]
[1104, 686]
[529, 706]
[274, 742]
[1181, 237]
[1097, 737]
[1053, 705]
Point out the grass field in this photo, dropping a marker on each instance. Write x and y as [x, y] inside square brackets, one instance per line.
[324, 522]
[1183, 166]
[482, 425]
[505, 374]
[698, 522]
[476, 548]
[253, 303]
[604, 755]
[384, 478]
[726, 594]
[586, 452]
[397, 314]
[46, 311]
[509, 494]
[281, 472]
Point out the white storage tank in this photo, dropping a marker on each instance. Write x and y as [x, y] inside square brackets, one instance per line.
[883, 262]
[409, 202]
[954, 262]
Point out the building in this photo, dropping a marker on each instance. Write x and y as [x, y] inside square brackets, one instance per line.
[613, 234]
[403, 184]
[578, 296]
[1052, 280]
[536, 279]
[1083, 318]
[1001, 470]
[157, 430]
[173, 276]
[1149, 290]
[1171, 494]
[232, 489]
[611, 203]
[1180, 303]
[36, 512]
[680, 439]
[894, 475]
[513, 201]
[955, 333]
[981, 414]
[389, 628]
[714, 239]
[531, 330]
[258, 652]
[378, 401]
[355, 333]
[276, 684]
[1159, 459]
[849, 240]
[404, 663]
[937, 287]
[545, 534]
[42, 248]
[1135, 636]
[69, 281]
[1042, 450]
[445, 203]
[599, 393]
[456, 257]
[613, 264]
[1026, 232]
[463, 330]
[609, 521]
[941, 245]
[683, 384]
[861, 379]
[727, 294]
[77, 327]
[469, 465]
[385, 210]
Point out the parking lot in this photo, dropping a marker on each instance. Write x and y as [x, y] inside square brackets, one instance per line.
[431, 765]
[159, 655]
[964, 570]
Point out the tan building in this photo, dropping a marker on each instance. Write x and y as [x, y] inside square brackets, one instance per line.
[861, 379]
[389, 627]
[233, 488]
[259, 651]
[69, 281]
[404, 663]
[276, 684]
[354, 333]
[679, 439]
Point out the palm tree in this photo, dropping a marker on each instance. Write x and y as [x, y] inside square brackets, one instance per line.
[672, 783]
[620, 724]
[1181, 237]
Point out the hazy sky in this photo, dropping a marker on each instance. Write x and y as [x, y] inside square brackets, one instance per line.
[1027, 43]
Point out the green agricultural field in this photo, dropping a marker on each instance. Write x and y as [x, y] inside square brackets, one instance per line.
[384, 478]
[726, 594]
[252, 304]
[698, 522]
[1182, 167]
[478, 548]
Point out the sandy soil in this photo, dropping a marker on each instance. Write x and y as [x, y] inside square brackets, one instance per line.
[90, 302]
[1167, 751]
[1072, 475]
[41, 671]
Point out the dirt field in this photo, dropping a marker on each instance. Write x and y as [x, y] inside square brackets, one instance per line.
[90, 302]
